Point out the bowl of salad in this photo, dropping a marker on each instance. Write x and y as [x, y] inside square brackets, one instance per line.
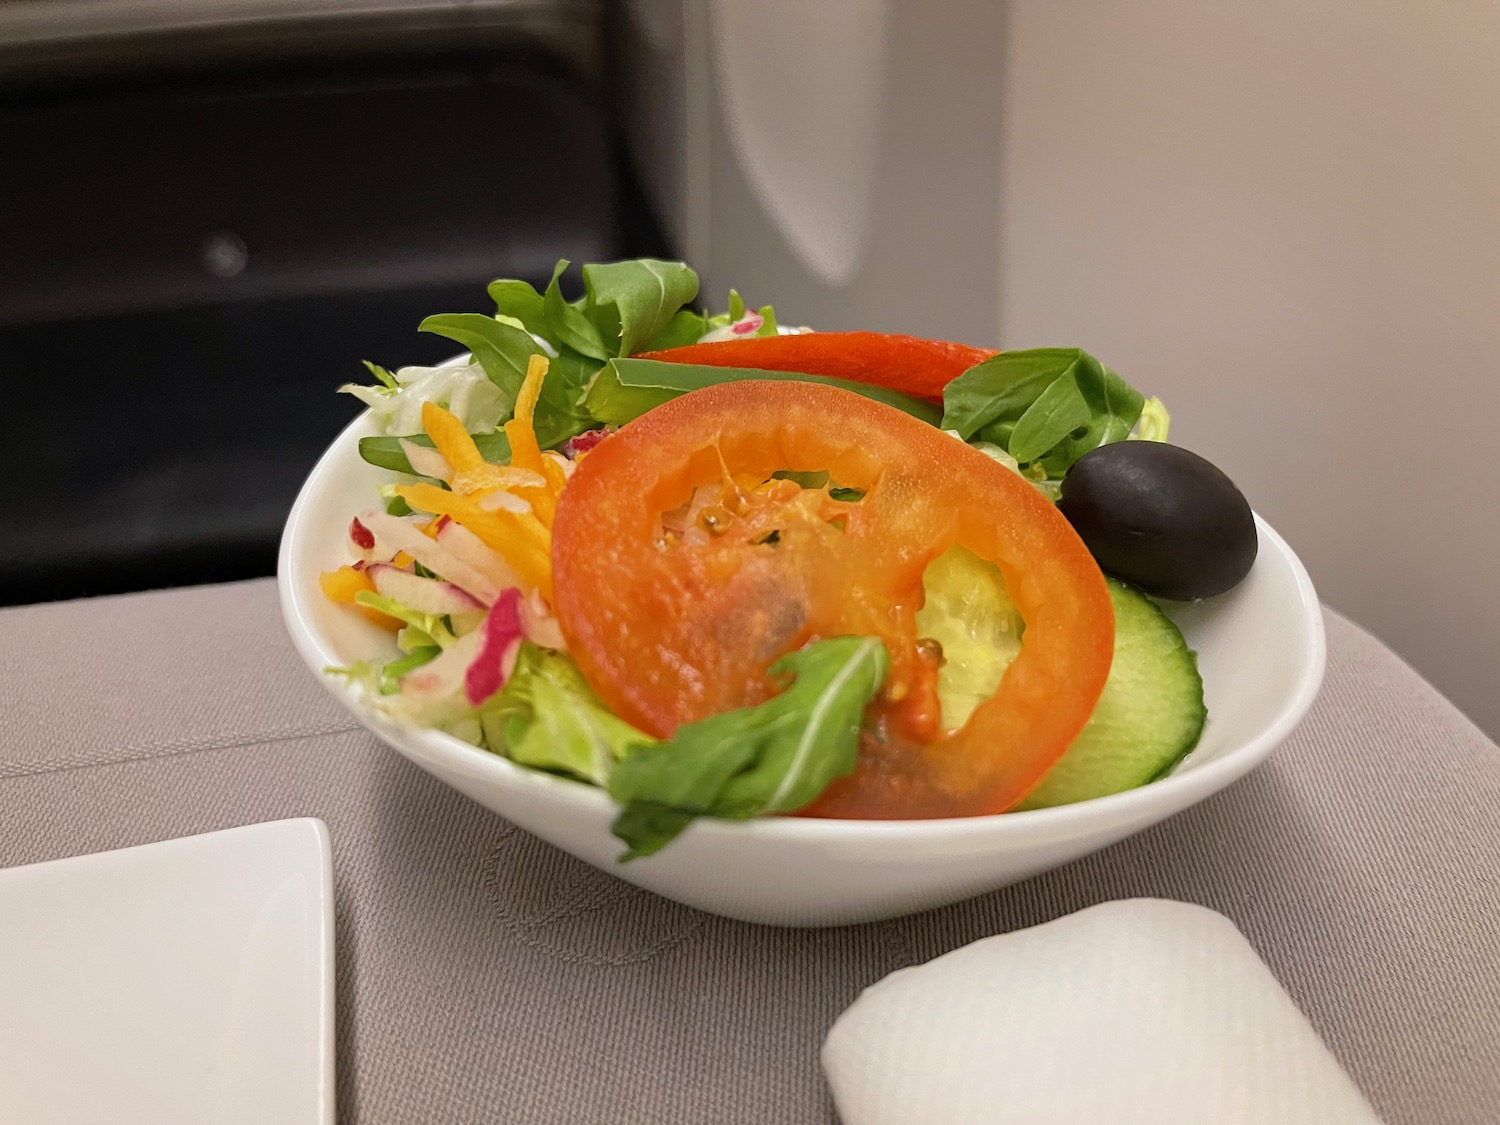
[802, 628]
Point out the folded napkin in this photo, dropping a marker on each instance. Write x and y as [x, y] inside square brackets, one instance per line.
[1140, 1012]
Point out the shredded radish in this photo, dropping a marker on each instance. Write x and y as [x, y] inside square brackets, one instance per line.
[442, 676]
[747, 325]
[425, 595]
[426, 462]
[582, 443]
[469, 548]
[500, 642]
[363, 548]
[432, 554]
[541, 627]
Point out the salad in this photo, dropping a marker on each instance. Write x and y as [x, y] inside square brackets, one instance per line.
[720, 567]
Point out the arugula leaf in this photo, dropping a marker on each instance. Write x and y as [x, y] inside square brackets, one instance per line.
[520, 301]
[625, 389]
[774, 757]
[386, 452]
[1002, 388]
[683, 329]
[501, 349]
[560, 412]
[567, 323]
[633, 301]
[546, 716]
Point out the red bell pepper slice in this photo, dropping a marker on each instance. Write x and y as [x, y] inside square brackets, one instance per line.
[908, 364]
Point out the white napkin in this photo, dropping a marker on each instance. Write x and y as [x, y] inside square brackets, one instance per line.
[1140, 1012]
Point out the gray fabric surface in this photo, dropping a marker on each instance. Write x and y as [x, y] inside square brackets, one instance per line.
[484, 976]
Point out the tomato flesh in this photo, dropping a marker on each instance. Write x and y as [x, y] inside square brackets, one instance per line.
[670, 632]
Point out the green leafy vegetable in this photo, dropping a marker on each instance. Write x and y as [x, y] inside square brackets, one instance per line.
[1056, 413]
[501, 349]
[519, 300]
[631, 302]
[683, 329]
[385, 378]
[568, 325]
[432, 625]
[1002, 388]
[775, 757]
[392, 671]
[1046, 406]
[1114, 407]
[1155, 421]
[546, 716]
[625, 389]
[386, 452]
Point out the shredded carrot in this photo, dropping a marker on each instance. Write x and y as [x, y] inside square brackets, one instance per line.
[450, 438]
[523, 538]
[525, 453]
[343, 584]
[518, 536]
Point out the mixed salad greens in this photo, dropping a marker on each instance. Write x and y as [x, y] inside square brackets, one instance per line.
[720, 567]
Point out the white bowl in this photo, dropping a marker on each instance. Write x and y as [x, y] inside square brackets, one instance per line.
[1260, 648]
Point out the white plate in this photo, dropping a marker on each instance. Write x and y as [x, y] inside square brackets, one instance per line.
[178, 983]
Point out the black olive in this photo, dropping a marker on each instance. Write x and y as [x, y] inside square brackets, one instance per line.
[1160, 518]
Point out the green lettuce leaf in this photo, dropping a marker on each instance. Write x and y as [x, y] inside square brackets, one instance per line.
[432, 625]
[547, 717]
[775, 757]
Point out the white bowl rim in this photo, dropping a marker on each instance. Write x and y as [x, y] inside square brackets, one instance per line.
[1175, 791]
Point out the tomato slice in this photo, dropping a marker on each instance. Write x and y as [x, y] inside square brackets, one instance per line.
[669, 629]
[908, 364]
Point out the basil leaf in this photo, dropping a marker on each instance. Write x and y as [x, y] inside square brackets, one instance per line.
[501, 349]
[1057, 412]
[775, 757]
[1002, 388]
[386, 452]
[1114, 408]
[633, 301]
[547, 717]
[625, 389]
[568, 324]
[520, 301]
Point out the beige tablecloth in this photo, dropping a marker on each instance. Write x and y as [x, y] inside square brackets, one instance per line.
[485, 977]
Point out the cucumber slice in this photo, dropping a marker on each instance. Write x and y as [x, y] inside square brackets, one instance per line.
[1150, 714]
